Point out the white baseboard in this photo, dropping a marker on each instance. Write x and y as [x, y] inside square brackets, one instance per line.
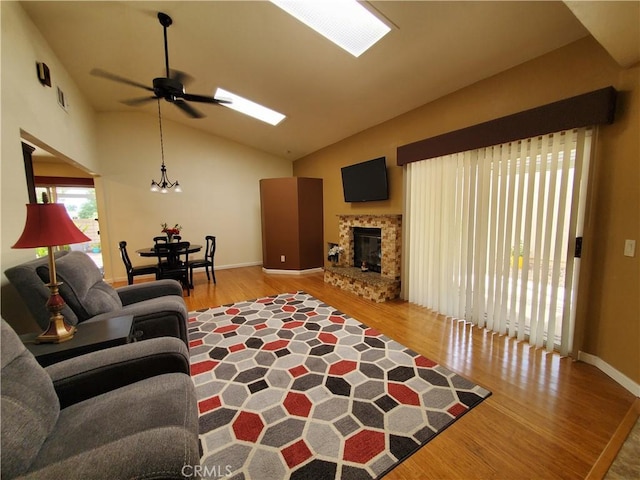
[237, 265]
[217, 267]
[292, 272]
[619, 377]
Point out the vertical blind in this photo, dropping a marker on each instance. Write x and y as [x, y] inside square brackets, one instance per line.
[490, 235]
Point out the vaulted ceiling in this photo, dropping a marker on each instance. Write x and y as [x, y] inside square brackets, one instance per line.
[256, 50]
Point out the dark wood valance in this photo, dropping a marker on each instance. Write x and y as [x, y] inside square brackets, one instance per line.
[593, 108]
[64, 181]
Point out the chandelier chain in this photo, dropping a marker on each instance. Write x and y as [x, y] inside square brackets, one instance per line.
[161, 140]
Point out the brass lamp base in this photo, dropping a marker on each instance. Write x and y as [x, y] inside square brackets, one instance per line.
[57, 331]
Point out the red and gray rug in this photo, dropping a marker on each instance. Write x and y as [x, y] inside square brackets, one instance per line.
[290, 387]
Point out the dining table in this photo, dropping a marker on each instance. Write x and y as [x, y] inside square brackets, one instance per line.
[151, 252]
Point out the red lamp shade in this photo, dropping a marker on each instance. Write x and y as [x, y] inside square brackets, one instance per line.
[48, 225]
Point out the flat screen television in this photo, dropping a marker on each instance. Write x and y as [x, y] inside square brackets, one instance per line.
[366, 181]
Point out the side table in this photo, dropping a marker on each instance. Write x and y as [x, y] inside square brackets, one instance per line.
[89, 337]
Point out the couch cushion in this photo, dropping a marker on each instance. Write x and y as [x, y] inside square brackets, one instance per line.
[30, 406]
[147, 429]
[34, 293]
[82, 287]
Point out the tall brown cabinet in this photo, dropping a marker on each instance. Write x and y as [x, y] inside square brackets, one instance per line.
[292, 223]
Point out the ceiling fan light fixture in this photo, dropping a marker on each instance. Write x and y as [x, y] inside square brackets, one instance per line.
[344, 22]
[249, 107]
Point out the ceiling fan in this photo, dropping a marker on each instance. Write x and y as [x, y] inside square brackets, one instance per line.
[171, 87]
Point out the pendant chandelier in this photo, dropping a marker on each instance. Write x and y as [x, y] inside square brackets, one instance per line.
[164, 184]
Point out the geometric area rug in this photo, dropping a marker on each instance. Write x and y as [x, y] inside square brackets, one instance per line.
[289, 387]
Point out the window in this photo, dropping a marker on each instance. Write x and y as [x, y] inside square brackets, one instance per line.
[80, 203]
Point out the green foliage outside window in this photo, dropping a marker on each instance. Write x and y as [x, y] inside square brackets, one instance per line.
[88, 209]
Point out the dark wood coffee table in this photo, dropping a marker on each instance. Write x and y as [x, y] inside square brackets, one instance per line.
[89, 337]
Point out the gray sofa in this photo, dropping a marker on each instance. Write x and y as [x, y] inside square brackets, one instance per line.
[127, 412]
[158, 307]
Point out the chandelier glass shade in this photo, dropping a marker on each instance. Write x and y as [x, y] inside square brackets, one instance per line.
[164, 184]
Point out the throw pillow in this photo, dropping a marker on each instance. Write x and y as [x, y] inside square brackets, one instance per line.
[82, 287]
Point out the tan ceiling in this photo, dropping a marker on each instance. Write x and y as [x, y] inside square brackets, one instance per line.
[256, 50]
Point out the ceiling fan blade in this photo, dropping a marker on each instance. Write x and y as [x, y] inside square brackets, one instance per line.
[188, 109]
[110, 76]
[171, 87]
[134, 102]
[182, 77]
[203, 98]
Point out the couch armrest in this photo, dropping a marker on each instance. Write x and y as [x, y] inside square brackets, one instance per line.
[145, 291]
[86, 376]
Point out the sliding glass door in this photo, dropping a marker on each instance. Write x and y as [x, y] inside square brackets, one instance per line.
[491, 235]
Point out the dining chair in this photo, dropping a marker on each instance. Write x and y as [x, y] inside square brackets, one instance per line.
[132, 271]
[173, 262]
[207, 261]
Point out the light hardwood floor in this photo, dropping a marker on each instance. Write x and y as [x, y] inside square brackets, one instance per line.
[548, 417]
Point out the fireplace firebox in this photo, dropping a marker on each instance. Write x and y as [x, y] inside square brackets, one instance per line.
[367, 248]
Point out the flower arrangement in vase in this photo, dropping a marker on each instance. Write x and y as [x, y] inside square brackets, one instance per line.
[334, 254]
[171, 231]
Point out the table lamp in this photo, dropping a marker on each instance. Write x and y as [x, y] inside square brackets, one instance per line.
[49, 225]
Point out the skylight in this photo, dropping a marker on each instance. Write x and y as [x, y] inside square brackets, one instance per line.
[248, 107]
[345, 22]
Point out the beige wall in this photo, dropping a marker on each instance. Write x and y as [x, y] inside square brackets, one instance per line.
[220, 178]
[609, 312]
[30, 110]
[220, 181]
[43, 167]
[611, 301]
[326, 164]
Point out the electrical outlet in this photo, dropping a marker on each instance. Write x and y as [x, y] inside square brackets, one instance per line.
[282, 258]
[629, 248]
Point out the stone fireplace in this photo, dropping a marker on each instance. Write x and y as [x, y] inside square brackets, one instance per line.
[373, 285]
